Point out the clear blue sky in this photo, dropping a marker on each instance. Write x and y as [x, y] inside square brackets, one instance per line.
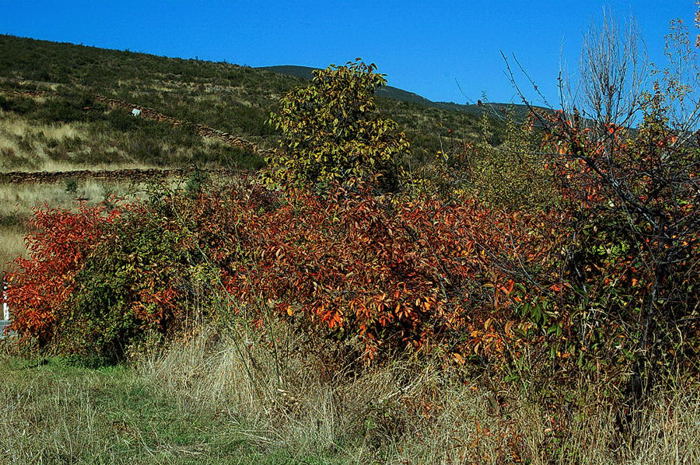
[423, 46]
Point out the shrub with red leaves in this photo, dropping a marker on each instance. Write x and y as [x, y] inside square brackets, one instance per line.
[58, 245]
[390, 272]
[394, 273]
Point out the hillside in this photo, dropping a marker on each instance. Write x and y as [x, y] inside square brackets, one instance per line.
[306, 72]
[66, 109]
[230, 98]
[492, 109]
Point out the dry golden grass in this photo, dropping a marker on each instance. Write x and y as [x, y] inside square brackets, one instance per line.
[236, 395]
[18, 201]
[25, 145]
[409, 413]
[11, 246]
[13, 126]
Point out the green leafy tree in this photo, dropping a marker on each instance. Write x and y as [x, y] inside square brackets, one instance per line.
[512, 174]
[332, 130]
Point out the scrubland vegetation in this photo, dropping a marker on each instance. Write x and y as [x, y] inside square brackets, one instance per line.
[524, 295]
[51, 120]
[63, 133]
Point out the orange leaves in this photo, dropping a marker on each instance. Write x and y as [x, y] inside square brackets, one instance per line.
[58, 244]
[154, 305]
[389, 271]
[332, 318]
[396, 266]
[508, 288]
[393, 273]
[557, 287]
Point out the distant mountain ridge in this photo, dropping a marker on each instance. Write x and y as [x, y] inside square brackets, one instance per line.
[306, 72]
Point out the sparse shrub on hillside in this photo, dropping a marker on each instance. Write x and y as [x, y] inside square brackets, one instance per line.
[71, 186]
[66, 110]
[513, 174]
[19, 105]
[333, 131]
[123, 121]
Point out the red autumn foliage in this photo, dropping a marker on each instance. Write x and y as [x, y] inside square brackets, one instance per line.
[633, 199]
[395, 273]
[392, 272]
[58, 245]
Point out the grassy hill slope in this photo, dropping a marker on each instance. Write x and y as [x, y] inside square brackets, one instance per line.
[231, 98]
[56, 115]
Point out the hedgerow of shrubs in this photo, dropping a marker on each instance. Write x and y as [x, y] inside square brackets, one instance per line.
[388, 274]
[602, 277]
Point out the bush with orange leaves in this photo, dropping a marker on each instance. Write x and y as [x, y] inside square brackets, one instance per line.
[59, 244]
[392, 274]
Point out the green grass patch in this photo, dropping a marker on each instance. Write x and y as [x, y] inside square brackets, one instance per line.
[58, 412]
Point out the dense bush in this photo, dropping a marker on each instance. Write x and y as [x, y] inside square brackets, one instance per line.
[333, 131]
[386, 273]
[391, 274]
[395, 273]
[138, 280]
[59, 244]
[634, 261]
[98, 281]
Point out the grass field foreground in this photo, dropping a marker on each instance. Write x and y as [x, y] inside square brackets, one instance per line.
[234, 397]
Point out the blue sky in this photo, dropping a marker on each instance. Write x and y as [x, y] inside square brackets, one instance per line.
[443, 50]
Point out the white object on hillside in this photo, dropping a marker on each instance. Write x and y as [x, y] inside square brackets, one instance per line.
[135, 112]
